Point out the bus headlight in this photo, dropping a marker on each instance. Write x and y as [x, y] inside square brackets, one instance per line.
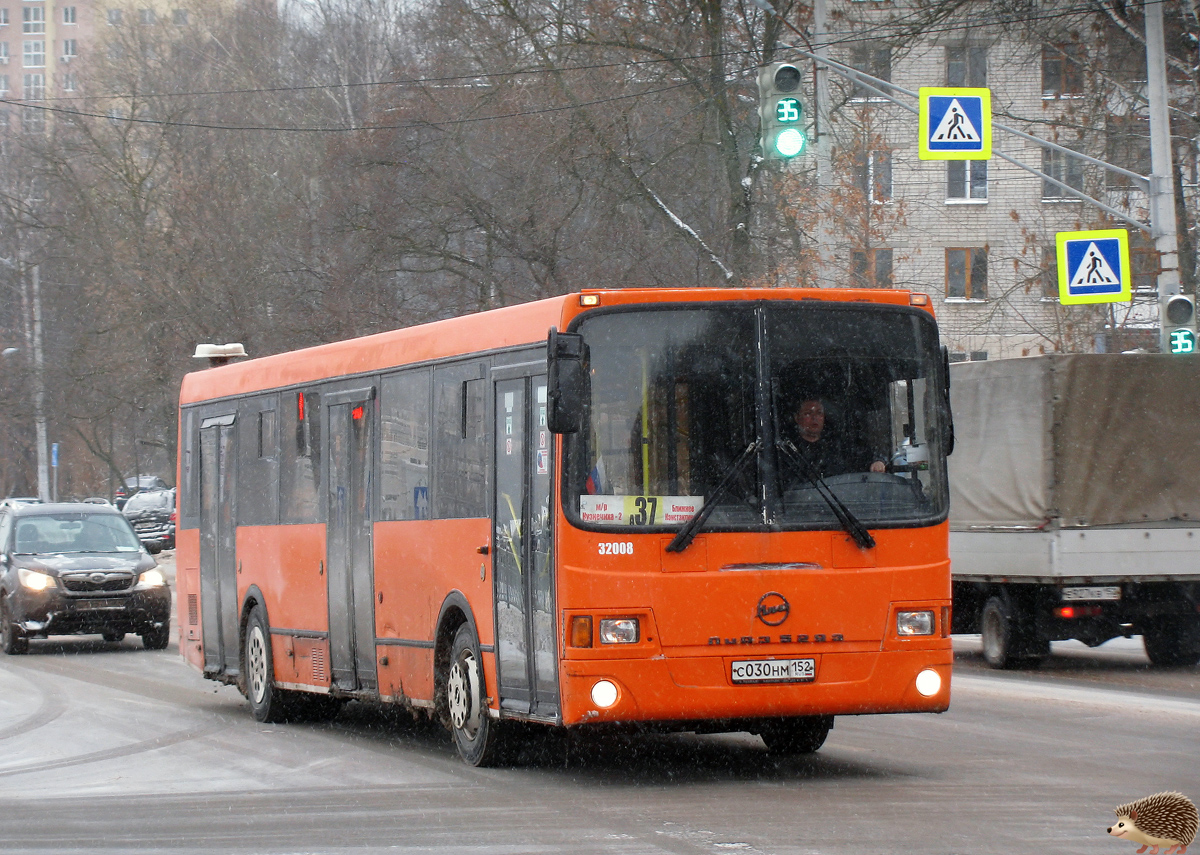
[619, 631]
[929, 682]
[33, 580]
[604, 694]
[914, 623]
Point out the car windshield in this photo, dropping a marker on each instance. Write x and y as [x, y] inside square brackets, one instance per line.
[150, 500]
[74, 532]
[678, 395]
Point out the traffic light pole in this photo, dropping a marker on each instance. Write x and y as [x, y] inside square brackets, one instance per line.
[1162, 183]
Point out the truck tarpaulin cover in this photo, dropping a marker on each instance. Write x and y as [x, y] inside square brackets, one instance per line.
[1085, 439]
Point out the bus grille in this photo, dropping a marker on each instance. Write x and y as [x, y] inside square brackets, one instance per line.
[193, 610]
[318, 663]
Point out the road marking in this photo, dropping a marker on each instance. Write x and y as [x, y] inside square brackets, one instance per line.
[1115, 699]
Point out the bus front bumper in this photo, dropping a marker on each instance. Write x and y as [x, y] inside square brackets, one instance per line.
[699, 688]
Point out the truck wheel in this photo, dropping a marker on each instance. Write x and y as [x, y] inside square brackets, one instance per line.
[797, 735]
[1005, 645]
[1172, 643]
[475, 734]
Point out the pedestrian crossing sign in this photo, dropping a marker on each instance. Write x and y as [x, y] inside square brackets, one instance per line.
[955, 123]
[1093, 267]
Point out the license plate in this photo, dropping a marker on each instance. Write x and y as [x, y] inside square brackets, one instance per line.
[774, 670]
[1105, 592]
[98, 605]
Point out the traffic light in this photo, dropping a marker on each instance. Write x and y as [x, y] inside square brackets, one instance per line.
[1177, 317]
[780, 111]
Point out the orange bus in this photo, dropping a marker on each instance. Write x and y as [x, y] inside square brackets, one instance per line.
[611, 508]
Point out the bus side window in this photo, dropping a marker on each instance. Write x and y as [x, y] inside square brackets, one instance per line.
[300, 466]
[404, 446]
[258, 467]
[460, 454]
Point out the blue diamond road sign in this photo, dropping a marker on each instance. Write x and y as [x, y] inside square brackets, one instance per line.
[955, 123]
[1093, 267]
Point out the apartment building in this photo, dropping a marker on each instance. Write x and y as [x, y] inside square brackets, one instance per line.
[978, 236]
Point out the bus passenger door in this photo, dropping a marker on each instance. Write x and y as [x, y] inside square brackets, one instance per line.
[218, 546]
[349, 560]
[526, 640]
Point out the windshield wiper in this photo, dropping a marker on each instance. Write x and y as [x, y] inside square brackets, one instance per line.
[692, 527]
[850, 523]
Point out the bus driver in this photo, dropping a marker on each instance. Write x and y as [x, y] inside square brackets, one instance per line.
[818, 449]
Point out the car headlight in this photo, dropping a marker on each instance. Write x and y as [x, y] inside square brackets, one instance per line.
[914, 623]
[33, 580]
[152, 579]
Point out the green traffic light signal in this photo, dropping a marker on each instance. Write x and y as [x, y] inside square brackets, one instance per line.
[780, 111]
[1182, 341]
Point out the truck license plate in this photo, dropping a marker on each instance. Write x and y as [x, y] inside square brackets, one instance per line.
[774, 670]
[1105, 592]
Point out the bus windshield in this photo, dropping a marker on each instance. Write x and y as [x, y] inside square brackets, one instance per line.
[774, 413]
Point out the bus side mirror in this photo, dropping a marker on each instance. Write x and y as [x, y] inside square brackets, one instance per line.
[567, 379]
[947, 415]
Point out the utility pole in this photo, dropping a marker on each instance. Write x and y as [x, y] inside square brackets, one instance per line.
[31, 306]
[1162, 186]
[824, 139]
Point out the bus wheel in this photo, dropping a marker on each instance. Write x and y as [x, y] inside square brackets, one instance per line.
[12, 639]
[475, 734]
[1172, 643]
[797, 735]
[268, 703]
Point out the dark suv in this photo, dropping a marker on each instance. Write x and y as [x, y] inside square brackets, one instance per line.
[131, 486]
[152, 515]
[68, 569]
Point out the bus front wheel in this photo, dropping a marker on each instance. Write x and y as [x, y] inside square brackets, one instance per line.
[475, 734]
[267, 702]
[797, 735]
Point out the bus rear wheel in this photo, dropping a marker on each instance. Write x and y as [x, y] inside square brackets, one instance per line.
[476, 736]
[797, 735]
[268, 703]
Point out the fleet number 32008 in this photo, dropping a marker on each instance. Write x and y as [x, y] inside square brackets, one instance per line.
[616, 547]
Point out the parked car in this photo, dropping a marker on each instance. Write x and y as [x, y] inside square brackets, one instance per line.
[70, 569]
[152, 515]
[136, 483]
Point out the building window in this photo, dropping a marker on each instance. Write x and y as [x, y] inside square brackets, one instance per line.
[1067, 169]
[966, 273]
[34, 52]
[1049, 272]
[3, 17]
[33, 20]
[1126, 144]
[966, 180]
[966, 66]
[147, 17]
[114, 17]
[68, 14]
[69, 83]
[3, 53]
[1062, 70]
[35, 87]
[3, 84]
[872, 268]
[875, 60]
[179, 17]
[33, 121]
[70, 50]
[873, 176]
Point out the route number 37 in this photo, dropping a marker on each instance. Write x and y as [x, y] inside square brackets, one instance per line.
[647, 510]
